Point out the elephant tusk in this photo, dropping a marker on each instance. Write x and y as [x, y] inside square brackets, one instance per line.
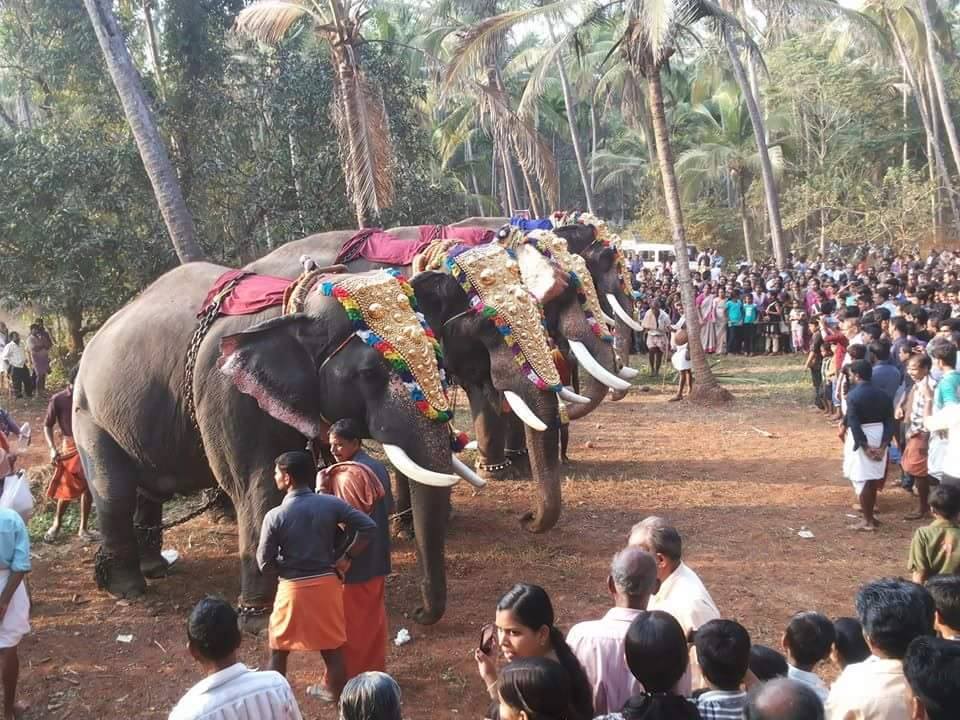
[467, 474]
[523, 411]
[607, 319]
[405, 464]
[472, 445]
[569, 395]
[628, 373]
[623, 314]
[590, 364]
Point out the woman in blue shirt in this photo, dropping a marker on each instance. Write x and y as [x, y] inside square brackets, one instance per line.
[749, 323]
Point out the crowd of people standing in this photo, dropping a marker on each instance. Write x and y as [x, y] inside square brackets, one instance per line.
[25, 362]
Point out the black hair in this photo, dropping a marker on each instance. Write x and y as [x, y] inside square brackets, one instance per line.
[809, 637]
[899, 324]
[766, 663]
[882, 313]
[857, 351]
[531, 605]
[794, 701]
[893, 612]
[880, 349]
[861, 368]
[932, 668]
[945, 501]
[299, 465]
[212, 629]
[723, 649]
[538, 686]
[656, 651]
[347, 428]
[946, 353]
[945, 591]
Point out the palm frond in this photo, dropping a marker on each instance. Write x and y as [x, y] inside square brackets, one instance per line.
[361, 121]
[269, 21]
[533, 152]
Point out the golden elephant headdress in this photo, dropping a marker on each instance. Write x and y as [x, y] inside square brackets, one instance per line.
[491, 278]
[383, 309]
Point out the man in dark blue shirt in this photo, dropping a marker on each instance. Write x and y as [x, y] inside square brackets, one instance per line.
[867, 429]
[886, 376]
[298, 541]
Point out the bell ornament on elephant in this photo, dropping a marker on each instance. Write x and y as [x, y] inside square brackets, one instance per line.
[167, 405]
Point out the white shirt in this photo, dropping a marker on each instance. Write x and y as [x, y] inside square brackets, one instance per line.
[13, 355]
[598, 645]
[874, 689]
[684, 596]
[811, 679]
[238, 693]
[948, 418]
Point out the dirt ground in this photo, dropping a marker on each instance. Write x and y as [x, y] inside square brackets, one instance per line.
[737, 496]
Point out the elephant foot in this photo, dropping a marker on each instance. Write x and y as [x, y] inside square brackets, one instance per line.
[520, 462]
[154, 566]
[533, 523]
[223, 512]
[426, 616]
[495, 471]
[117, 578]
[254, 620]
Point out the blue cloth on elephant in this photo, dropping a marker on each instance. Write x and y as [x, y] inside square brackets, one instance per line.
[529, 225]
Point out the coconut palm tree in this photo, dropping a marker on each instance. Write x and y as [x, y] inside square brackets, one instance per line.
[648, 32]
[358, 112]
[156, 161]
[727, 153]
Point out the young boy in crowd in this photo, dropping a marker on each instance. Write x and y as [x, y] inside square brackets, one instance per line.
[723, 651]
[797, 321]
[829, 373]
[935, 549]
[945, 590]
[849, 646]
[807, 641]
[766, 663]
[749, 324]
[815, 361]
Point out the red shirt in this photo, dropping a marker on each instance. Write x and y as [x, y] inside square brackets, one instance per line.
[839, 342]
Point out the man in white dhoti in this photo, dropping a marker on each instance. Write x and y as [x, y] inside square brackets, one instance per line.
[867, 429]
[14, 603]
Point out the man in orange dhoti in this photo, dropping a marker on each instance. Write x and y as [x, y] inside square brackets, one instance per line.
[299, 542]
[68, 482]
[363, 483]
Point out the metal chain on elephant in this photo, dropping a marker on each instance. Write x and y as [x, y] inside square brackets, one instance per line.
[213, 496]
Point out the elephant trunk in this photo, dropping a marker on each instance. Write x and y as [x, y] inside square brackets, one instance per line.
[591, 388]
[543, 450]
[431, 511]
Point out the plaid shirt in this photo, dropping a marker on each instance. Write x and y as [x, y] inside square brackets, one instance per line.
[721, 704]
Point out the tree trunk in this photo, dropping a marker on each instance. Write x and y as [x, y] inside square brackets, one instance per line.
[706, 387]
[152, 42]
[534, 205]
[511, 191]
[766, 167]
[157, 163]
[744, 218]
[295, 173]
[468, 156]
[73, 314]
[593, 145]
[570, 106]
[925, 118]
[906, 124]
[941, 91]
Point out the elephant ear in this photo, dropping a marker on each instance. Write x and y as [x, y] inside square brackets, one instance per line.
[275, 363]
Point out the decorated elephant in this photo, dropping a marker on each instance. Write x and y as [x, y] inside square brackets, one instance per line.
[486, 350]
[168, 404]
[588, 236]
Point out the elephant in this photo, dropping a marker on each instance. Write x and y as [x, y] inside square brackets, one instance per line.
[478, 358]
[261, 384]
[610, 277]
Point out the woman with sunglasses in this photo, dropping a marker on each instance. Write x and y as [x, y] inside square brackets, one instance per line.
[524, 629]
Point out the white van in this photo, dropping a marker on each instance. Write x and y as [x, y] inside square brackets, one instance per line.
[654, 255]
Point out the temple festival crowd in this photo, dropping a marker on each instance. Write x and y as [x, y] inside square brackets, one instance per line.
[879, 336]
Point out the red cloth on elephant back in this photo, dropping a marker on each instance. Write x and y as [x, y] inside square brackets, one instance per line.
[471, 236]
[377, 245]
[252, 294]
